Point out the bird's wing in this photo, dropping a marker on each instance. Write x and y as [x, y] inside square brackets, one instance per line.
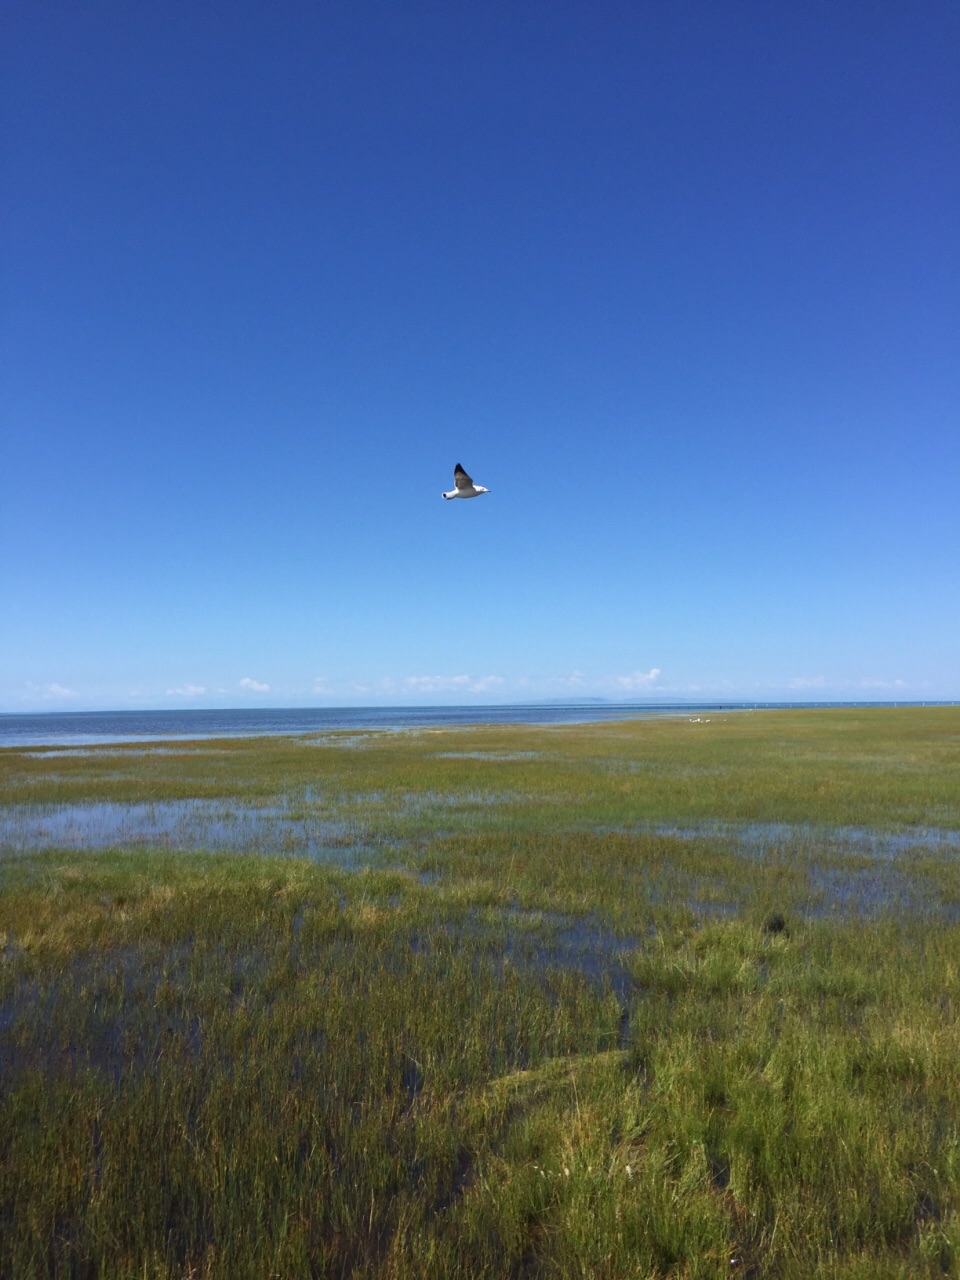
[461, 479]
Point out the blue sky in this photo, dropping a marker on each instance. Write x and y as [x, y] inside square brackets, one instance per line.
[679, 282]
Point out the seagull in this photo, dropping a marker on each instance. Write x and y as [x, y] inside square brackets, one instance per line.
[465, 488]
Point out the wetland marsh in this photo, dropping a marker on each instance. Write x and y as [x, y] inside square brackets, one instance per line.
[655, 998]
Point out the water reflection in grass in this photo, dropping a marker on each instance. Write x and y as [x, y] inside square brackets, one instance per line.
[181, 824]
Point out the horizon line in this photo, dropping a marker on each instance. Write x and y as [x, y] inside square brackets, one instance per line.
[585, 702]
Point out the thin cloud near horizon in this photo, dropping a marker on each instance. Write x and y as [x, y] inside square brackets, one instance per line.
[638, 679]
[490, 688]
[52, 690]
[453, 684]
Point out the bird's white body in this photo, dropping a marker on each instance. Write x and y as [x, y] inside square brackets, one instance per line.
[473, 492]
[465, 488]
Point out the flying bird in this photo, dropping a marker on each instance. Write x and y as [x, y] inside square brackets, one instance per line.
[464, 486]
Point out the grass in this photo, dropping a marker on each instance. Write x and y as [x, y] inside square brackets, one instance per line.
[538, 1035]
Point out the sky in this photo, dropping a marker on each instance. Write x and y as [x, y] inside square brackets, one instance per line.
[678, 282]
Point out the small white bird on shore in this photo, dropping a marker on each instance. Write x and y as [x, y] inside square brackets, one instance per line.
[465, 488]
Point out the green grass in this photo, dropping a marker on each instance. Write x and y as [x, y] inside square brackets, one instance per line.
[883, 767]
[535, 1037]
